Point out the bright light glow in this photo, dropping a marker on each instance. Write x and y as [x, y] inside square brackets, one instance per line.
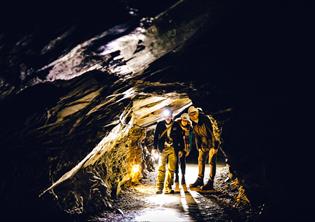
[166, 208]
[162, 214]
[167, 113]
[135, 169]
[135, 173]
[164, 199]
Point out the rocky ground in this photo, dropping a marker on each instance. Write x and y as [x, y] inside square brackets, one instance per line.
[142, 204]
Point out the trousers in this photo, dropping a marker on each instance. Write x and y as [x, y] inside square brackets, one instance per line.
[180, 163]
[167, 157]
[202, 157]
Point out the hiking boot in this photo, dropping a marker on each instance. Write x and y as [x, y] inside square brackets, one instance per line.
[158, 191]
[208, 186]
[184, 188]
[168, 191]
[176, 188]
[197, 183]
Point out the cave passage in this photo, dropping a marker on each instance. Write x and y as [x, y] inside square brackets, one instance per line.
[227, 202]
[125, 163]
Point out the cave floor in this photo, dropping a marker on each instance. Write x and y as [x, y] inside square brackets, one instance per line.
[142, 204]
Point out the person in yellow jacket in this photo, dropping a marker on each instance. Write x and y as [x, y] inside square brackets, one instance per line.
[169, 141]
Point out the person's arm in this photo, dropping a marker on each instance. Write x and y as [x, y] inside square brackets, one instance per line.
[208, 124]
[181, 141]
[156, 136]
[197, 142]
[191, 140]
[177, 137]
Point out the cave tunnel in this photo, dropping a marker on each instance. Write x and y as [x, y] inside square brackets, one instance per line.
[82, 87]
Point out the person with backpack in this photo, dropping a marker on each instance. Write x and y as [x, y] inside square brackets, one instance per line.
[187, 134]
[168, 140]
[207, 144]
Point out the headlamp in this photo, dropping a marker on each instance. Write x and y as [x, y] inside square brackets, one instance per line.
[167, 113]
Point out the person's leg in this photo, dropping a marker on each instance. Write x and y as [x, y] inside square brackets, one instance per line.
[201, 163]
[213, 167]
[213, 163]
[161, 172]
[170, 171]
[183, 170]
[183, 167]
[201, 169]
[176, 190]
[177, 168]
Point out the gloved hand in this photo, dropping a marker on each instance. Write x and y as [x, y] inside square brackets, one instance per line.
[180, 154]
[169, 140]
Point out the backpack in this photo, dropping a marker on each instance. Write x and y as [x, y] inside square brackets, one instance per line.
[216, 131]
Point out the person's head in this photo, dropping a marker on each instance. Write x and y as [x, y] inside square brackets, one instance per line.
[168, 115]
[193, 113]
[184, 118]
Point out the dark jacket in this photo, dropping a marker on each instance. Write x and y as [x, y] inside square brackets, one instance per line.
[176, 136]
[190, 138]
[204, 133]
